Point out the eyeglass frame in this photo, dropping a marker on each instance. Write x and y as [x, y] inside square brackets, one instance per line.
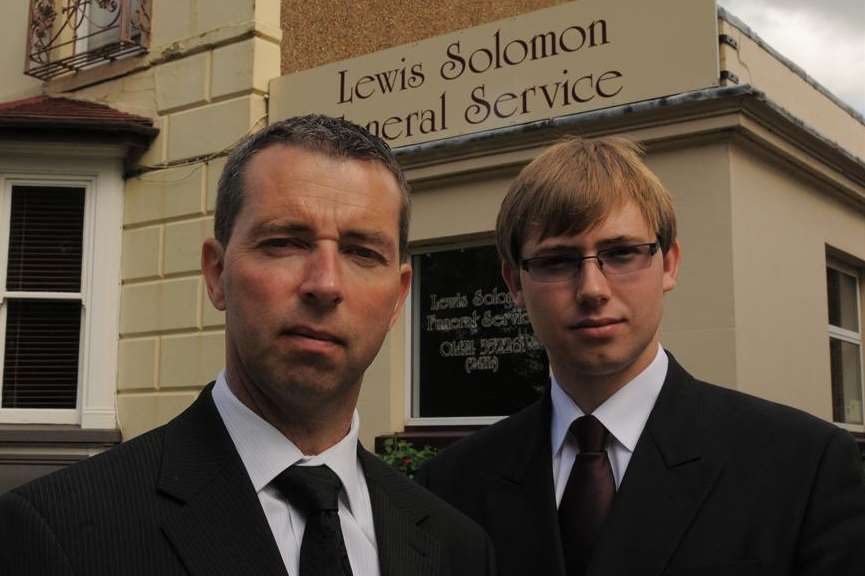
[578, 261]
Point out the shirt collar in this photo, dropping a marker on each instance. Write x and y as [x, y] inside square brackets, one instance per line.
[624, 413]
[265, 452]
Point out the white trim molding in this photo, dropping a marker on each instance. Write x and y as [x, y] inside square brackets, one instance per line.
[98, 169]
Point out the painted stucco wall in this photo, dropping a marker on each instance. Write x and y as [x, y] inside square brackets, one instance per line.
[783, 223]
[13, 24]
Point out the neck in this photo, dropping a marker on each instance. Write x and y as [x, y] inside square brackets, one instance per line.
[590, 390]
[312, 426]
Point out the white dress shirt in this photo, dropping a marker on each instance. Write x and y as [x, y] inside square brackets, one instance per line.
[265, 453]
[624, 415]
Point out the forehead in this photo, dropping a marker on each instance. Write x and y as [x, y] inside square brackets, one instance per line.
[625, 222]
[284, 178]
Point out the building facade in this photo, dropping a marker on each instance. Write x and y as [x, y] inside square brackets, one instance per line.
[124, 133]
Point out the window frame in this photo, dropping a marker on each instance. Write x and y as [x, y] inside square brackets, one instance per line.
[97, 169]
[839, 264]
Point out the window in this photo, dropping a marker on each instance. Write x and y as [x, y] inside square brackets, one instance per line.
[60, 227]
[474, 357]
[66, 36]
[40, 318]
[845, 343]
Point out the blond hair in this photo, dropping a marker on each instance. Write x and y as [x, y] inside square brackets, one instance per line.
[573, 186]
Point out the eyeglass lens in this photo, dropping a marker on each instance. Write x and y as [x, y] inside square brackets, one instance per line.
[612, 261]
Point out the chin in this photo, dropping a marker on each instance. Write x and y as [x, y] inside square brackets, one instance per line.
[603, 364]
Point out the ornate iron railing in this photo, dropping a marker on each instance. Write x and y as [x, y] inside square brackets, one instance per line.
[66, 36]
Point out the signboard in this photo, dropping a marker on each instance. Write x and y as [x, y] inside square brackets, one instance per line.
[475, 353]
[558, 61]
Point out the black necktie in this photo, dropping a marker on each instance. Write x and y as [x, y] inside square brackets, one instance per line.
[314, 490]
[588, 494]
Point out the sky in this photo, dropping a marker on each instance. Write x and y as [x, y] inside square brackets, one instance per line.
[826, 38]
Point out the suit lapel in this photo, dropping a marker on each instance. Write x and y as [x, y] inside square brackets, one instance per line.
[221, 528]
[403, 548]
[669, 476]
[520, 504]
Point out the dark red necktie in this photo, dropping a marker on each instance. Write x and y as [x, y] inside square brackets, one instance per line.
[588, 494]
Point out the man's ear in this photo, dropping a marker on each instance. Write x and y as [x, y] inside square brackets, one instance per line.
[671, 266]
[212, 266]
[405, 274]
[511, 276]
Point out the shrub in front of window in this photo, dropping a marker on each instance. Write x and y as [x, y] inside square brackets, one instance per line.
[405, 456]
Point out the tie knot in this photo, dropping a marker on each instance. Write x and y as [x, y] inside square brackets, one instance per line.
[590, 434]
[310, 488]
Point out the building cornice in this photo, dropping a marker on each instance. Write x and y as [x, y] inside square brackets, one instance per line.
[723, 112]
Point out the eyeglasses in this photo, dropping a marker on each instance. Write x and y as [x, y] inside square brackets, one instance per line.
[612, 262]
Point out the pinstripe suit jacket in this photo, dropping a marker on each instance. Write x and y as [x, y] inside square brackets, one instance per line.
[178, 501]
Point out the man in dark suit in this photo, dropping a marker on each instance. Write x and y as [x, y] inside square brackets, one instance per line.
[264, 474]
[629, 465]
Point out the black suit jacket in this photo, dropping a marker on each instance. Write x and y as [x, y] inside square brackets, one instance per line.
[719, 483]
[178, 501]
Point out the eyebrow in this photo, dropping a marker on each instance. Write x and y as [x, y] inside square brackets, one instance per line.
[267, 228]
[371, 237]
[621, 239]
[557, 247]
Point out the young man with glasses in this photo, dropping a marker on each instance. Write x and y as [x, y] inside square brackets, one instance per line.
[629, 465]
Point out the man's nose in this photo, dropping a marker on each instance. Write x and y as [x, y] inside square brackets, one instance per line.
[592, 285]
[322, 281]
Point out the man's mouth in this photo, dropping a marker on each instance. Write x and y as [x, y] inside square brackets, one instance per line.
[598, 327]
[313, 334]
[597, 322]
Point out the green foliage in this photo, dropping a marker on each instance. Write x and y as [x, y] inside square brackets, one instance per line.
[404, 456]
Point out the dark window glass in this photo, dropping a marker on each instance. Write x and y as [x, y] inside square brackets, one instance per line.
[45, 239]
[842, 300]
[475, 353]
[846, 371]
[40, 365]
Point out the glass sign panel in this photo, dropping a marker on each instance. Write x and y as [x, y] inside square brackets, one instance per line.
[474, 352]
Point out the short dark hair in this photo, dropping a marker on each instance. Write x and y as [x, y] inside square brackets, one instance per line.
[573, 186]
[334, 137]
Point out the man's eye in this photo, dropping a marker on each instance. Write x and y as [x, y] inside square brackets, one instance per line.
[553, 263]
[281, 242]
[621, 253]
[364, 254]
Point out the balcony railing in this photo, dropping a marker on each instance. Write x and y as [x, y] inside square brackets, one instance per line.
[65, 36]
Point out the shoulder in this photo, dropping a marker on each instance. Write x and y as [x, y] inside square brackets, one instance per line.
[748, 431]
[721, 410]
[56, 517]
[465, 543]
[130, 467]
[798, 467]
[99, 480]
[746, 413]
[406, 493]
[495, 447]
